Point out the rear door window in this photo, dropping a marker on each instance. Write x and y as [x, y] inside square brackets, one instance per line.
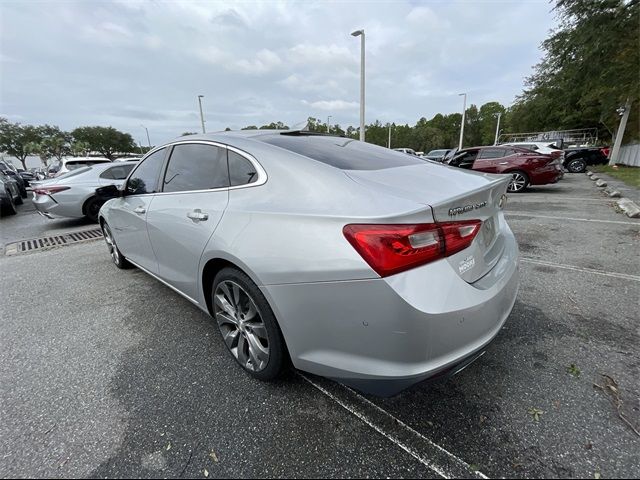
[117, 173]
[489, 153]
[241, 170]
[196, 166]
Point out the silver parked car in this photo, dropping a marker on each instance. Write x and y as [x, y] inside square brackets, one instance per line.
[358, 263]
[74, 193]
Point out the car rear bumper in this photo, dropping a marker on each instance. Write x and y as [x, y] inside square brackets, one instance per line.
[48, 207]
[384, 335]
[545, 175]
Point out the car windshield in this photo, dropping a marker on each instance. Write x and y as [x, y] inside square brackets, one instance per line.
[343, 153]
[437, 153]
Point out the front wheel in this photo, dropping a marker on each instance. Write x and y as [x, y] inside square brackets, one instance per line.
[577, 166]
[519, 182]
[116, 256]
[8, 207]
[247, 324]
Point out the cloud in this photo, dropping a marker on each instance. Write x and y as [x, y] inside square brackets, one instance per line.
[126, 62]
[332, 104]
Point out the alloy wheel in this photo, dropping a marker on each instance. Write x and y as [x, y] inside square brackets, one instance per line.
[111, 245]
[576, 166]
[518, 182]
[241, 325]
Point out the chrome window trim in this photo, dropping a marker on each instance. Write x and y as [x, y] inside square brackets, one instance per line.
[262, 174]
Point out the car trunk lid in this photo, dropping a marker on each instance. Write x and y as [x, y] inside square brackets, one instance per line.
[453, 195]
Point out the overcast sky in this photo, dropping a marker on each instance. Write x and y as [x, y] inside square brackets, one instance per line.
[126, 63]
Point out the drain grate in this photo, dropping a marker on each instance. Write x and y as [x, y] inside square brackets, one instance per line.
[53, 241]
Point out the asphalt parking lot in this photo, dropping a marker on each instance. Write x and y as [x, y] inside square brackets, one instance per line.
[107, 373]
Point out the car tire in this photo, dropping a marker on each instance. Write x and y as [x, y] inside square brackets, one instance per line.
[248, 327]
[19, 200]
[577, 165]
[8, 207]
[23, 192]
[92, 208]
[519, 182]
[116, 256]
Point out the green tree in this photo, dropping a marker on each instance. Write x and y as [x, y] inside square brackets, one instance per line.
[80, 149]
[15, 137]
[106, 140]
[590, 68]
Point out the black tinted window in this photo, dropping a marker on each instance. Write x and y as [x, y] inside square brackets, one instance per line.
[145, 177]
[196, 167]
[241, 170]
[491, 153]
[343, 153]
[117, 173]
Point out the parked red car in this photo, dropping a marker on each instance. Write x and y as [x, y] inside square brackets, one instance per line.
[526, 167]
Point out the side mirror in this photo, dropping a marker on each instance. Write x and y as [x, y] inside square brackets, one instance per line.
[108, 192]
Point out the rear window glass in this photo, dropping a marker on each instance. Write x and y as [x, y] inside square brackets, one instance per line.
[119, 172]
[343, 153]
[83, 163]
[72, 173]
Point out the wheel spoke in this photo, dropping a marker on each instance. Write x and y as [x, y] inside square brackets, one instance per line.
[224, 304]
[256, 350]
[231, 338]
[258, 329]
[236, 295]
[224, 318]
[241, 350]
[251, 311]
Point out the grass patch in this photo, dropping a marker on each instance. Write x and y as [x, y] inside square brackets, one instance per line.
[629, 175]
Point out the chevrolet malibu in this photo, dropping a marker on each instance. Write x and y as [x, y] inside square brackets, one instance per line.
[352, 261]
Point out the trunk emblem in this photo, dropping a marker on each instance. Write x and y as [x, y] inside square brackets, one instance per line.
[466, 264]
[467, 208]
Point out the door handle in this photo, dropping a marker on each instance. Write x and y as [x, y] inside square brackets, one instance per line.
[198, 216]
[140, 210]
[503, 163]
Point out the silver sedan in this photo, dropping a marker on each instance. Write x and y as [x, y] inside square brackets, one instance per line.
[355, 262]
[73, 194]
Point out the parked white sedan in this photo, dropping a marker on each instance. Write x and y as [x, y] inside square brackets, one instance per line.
[74, 193]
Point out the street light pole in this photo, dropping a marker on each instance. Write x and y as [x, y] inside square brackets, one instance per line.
[148, 140]
[464, 111]
[495, 142]
[360, 33]
[389, 143]
[200, 97]
[328, 128]
[613, 157]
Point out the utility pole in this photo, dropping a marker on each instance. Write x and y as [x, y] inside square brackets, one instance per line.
[360, 33]
[328, 127]
[389, 143]
[464, 112]
[620, 133]
[495, 142]
[148, 140]
[200, 97]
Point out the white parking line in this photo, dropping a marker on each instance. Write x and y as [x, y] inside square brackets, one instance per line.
[397, 432]
[624, 276]
[593, 220]
[537, 197]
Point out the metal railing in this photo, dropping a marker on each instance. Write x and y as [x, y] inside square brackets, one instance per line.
[579, 136]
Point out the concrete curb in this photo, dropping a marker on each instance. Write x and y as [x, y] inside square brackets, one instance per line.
[629, 208]
[611, 192]
[589, 173]
[594, 177]
[601, 183]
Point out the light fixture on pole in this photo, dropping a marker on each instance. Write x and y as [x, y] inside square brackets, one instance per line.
[148, 140]
[328, 128]
[495, 142]
[360, 33]
[464, 111]
[200, 97]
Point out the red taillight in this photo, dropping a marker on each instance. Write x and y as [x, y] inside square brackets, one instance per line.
[50, 190]
[391, 249]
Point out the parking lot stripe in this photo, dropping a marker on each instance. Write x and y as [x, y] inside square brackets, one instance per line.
[624, 276]
[447, 465]
[619, 222]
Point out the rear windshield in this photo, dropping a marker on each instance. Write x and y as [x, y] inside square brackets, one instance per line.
[343, 153]
[73, 172]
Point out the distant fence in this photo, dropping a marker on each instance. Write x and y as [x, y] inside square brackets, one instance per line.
[629, 155]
